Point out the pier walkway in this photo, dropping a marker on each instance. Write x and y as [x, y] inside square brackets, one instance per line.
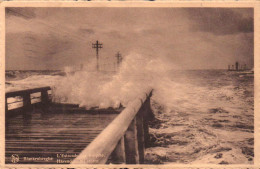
[53, 133]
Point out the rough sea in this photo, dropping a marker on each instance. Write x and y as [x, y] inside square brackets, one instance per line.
[202, 116]
[212, 121]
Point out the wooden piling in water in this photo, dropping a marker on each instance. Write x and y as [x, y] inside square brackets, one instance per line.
[140, 135]
[131, 144]
[145, 125]
[118, 156]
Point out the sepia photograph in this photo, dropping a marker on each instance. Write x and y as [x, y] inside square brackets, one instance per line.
[129, 85]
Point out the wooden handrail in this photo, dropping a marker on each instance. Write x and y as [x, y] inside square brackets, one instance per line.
[99, 150]
[26, 95]
[26, 91]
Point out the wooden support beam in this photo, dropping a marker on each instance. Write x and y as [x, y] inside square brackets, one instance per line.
[148, 107]
[22, 92]
[45, 102]
[145, 125]
[6, 105]
[147, 116]
[27, 109]
[131, 144]
[146, 134]
[45, 97]
[27, 105]
[140, 135]
[118, 155]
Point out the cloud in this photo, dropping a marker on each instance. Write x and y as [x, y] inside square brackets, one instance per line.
[186, 37]
[26, 13]
[221, 21]
[36, 50]
[86, 30]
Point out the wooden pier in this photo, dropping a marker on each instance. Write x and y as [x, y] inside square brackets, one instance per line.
[51, 133]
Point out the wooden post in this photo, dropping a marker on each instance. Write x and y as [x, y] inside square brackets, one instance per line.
[6, 105]
[148, 106]
[27, 108]
[146, 134]
[44, 97]
[131, 144]
[118, 155]
[44, 102]
[7, 128]
[145, 125]
[148, 116]
[140, 135]
[27, 105]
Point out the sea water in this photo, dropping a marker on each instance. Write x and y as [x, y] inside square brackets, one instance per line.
[202, 116]
[211, 120]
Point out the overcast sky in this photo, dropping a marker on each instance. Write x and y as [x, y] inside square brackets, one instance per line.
[187, 38]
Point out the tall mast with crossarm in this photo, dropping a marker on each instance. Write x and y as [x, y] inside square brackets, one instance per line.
[119, 59]
[97, 46]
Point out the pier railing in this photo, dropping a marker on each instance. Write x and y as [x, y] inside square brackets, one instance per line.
[26, 97]
[124, 139]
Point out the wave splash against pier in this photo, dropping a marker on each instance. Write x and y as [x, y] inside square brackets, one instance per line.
[196, 109]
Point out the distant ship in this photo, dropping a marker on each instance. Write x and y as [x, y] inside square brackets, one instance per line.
[241, 69]
[238, 67]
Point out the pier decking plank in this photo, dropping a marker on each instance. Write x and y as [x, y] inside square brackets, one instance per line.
[49, 134]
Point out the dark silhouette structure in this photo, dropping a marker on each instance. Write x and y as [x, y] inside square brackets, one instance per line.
[237, 67]
[119, 59]
[97, 46]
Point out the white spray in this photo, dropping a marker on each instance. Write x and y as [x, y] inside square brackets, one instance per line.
[137, 73]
